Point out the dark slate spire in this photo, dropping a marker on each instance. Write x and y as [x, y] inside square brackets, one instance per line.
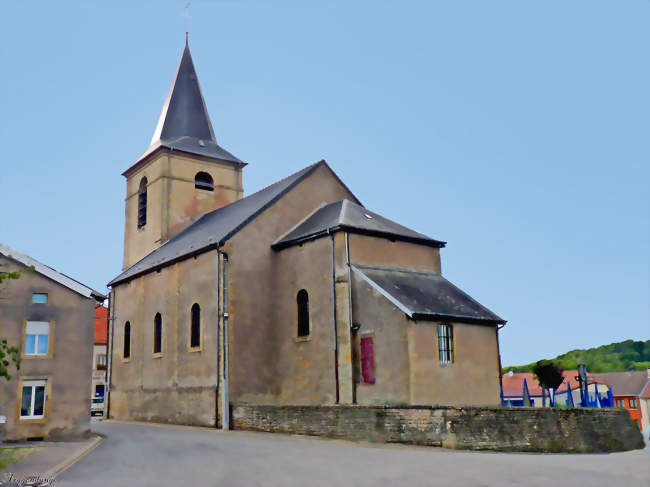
[184, 123]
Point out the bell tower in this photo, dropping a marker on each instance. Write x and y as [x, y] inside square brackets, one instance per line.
[182, 175]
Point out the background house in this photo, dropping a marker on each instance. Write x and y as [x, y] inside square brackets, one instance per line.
[631, 391]
[50, 317]
[98, 387]
[513, 386]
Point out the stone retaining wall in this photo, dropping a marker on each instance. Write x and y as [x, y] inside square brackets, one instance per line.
[472, 428]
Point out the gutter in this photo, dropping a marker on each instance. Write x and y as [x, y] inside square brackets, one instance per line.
[335, 331]
[218, 307]
[225, 394]
[111, 313]
[372, 233]
[353, 331]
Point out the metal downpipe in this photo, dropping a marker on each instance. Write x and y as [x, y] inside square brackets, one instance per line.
[225, 393]
[336, 342]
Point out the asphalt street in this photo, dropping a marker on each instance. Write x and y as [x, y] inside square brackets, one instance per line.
[136, 454]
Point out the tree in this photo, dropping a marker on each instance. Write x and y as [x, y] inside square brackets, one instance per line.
[8, 353]
[548, 375]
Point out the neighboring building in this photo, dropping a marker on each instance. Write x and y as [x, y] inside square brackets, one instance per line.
[98, 386]
[630, 390]
[296, 294]
[513, 386]
[50, 317]
[644, 402]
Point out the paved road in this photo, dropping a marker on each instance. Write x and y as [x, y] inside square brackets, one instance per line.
[136, 454]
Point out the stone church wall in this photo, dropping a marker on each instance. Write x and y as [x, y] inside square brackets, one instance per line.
[178, 385]
[406, 355]
[269, 364]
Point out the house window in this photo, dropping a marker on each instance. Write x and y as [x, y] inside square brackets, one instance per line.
[195, 332]
[303, 313]
[620, 403]
[142, 203]
[39, 298]
[32, 404]
[157, 333]
[101, 362]
[204, 181]
[37, 338]
[633, 404]
[127, 340]
[445, 344]
[367, 360]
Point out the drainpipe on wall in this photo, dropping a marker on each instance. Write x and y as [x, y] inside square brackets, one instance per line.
[225, 393]
[336, 341]
[216, 389]
[500, 368]
[353, 332]
[111, 313]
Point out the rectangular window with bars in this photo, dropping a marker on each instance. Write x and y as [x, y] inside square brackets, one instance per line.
[445, 344]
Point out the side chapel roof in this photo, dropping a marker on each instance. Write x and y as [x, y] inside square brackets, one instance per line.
[350, 216]
[426, 295]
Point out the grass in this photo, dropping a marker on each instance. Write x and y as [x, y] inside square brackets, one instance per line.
[11, 455]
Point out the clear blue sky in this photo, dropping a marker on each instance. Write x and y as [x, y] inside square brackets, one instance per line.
[518, 132]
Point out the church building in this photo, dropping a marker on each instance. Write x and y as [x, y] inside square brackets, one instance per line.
[294, 295]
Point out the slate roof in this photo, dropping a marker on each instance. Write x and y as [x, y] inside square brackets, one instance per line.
[629, 383]
[184, 123]
[352, 217]
[426, 295]
[52, 274]
[214, 228]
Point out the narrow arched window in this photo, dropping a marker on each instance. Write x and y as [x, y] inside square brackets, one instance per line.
[303, 313]
[142, 203]
[203, 180]
[157, 334]
[127, 340]
[195, 332]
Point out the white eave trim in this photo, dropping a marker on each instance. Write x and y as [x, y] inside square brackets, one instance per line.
[50, 273]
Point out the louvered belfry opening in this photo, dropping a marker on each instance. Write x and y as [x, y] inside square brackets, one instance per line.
[142, 203]
[203, 181]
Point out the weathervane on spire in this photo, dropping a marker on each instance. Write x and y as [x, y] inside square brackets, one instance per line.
[186, 14]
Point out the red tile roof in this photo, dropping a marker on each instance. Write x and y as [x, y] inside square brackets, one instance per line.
[513, 385]
[101, 325]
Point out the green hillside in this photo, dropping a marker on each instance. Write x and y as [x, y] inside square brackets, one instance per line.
[615, 357]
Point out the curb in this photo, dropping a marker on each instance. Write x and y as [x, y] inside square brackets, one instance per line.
[70, 461]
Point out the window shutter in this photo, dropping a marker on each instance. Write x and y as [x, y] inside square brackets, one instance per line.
[367, 360]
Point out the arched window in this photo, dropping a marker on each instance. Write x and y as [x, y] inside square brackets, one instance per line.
[127, 340]
[142, 203]
[157, 334]
[195, 332]
[203, 180]
[303, 313]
